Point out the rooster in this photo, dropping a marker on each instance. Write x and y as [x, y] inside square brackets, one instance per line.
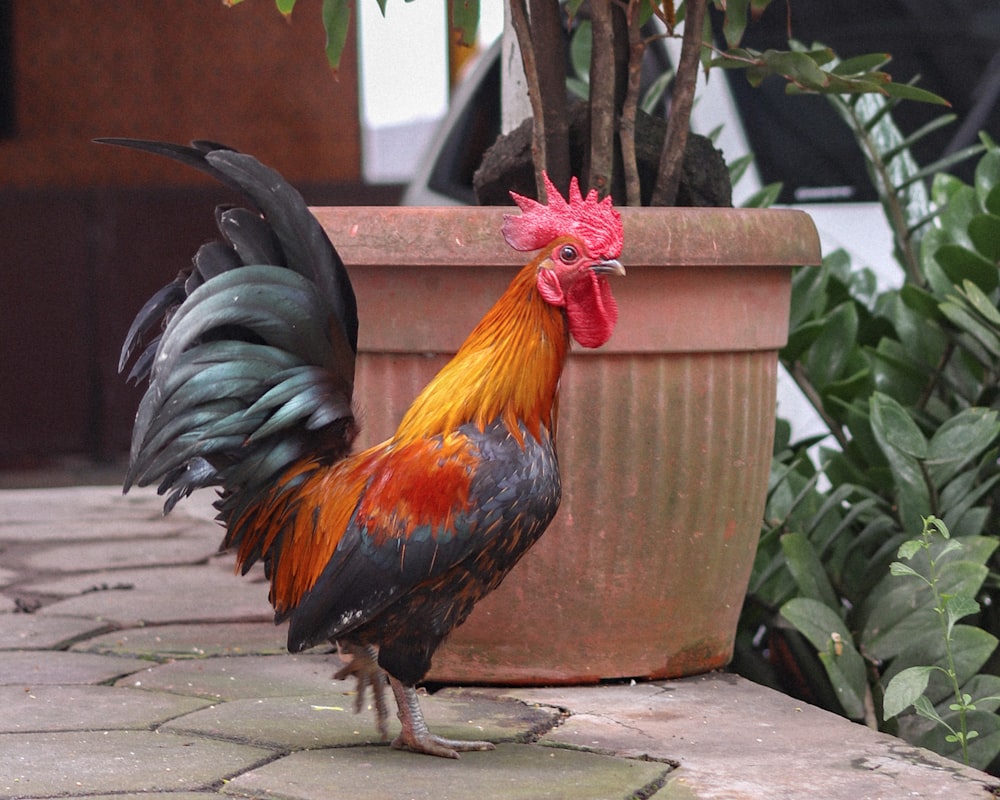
[383, 551]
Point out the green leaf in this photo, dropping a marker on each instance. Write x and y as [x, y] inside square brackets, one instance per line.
[735, 22]
[764, 197]
[926, 709]
[898, 612]
[861, 64]
[580, 48]
[830, 352]
[910, 548]
[964, 436]
[981, 302]
[336, 23]
[828, 633]
[465, 20]
[959, 606]
[904, 689]
[900, 569]
[904, 91]
[984, 230]
[971, 324]
[961, 264]
[896, 427]
[799, 68]
[807, 569]
[987, 179]
[285, 6]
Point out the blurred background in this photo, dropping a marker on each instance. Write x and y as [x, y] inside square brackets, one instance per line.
[89, 231]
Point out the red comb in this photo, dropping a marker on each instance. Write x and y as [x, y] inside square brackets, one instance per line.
[592, 221]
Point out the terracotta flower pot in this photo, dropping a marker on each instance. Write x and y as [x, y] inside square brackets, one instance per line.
[665, 433]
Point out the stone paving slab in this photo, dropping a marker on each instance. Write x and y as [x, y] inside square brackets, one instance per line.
[328, 720]
[195, 640]
[242, 678]
[44, 632]
[163, 549]
[61, 708]
[511, 772]
[132, 597]
[89, 762]
[54, 667]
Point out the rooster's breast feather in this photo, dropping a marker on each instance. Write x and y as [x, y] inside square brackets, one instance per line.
[454, 511]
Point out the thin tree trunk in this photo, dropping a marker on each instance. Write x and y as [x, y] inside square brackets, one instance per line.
[672, 156]
[550, 61]
[630, 165]
[602, 98]
[542, 54]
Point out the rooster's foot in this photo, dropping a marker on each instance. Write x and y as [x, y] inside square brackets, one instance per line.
[415, 736]
[364, 668]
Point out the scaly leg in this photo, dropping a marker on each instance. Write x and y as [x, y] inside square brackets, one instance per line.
[369, 675]
[415, 735]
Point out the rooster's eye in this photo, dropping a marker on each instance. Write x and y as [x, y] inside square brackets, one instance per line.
[568, 254]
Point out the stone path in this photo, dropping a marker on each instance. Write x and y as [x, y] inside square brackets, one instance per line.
[133, 664]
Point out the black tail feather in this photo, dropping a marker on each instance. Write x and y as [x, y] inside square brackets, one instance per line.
[254, 368]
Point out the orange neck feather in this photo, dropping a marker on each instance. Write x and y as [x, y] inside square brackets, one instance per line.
[509, 367]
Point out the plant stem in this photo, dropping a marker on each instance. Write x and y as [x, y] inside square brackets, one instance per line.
[519, 22]
[939, 606]
[674, 143]
[602, 98]
[626, 129]
[801, 379]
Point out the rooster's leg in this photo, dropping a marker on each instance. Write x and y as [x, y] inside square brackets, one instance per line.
[415, 735]
[364, 667]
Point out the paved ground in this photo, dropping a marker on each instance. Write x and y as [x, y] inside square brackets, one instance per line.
[134, 664]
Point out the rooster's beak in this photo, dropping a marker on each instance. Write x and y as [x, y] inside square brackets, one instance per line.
[611, 266]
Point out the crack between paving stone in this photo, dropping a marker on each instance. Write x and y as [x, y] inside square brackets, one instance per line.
[546, 727]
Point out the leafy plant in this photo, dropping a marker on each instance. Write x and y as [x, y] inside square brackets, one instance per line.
[617, 39]
[906, 381]
[964, 647]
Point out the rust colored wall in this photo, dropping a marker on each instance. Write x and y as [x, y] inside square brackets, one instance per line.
[179, 70]
[88, 232]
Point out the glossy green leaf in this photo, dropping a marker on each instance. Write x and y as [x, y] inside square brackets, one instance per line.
[896, 427]
[904, 689]
[336, 23]
[465, 20]
[991, 202]
[982, 303]
[580, 48]
[807, 569]
[961, 264]
[830, 352]
[764, 197]
[861, 64]
[987, 178]
[984, 230]
[943, 186]
[906, 92]
[734, 22]
[828, 633]
[964, 435]
[965, 320]
[958, 607]
[970, 646]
